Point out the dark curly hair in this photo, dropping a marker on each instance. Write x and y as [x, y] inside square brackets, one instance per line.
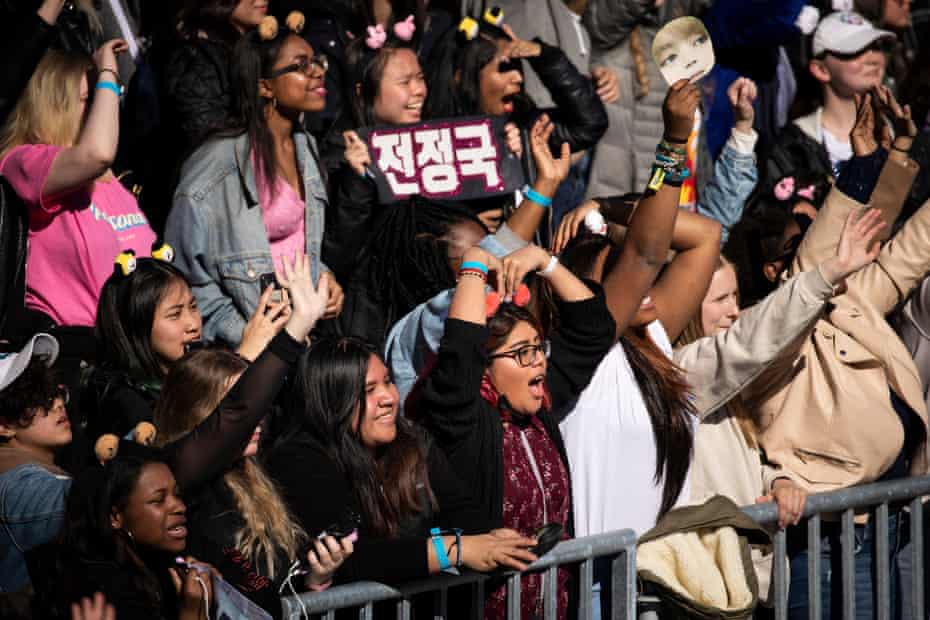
[35, 389]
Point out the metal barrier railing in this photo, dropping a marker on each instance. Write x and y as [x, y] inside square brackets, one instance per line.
[845, 503]
[620, 546]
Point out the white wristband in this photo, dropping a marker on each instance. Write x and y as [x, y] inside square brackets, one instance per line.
[553, 261]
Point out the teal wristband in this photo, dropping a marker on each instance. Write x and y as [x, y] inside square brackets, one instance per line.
[441, 555]
[473, 264]
[536, 197]
[110, 86]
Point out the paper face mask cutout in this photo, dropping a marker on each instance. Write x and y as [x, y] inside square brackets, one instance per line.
[683, 50]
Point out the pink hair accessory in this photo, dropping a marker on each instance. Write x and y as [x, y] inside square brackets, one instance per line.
[492, 300]
[807, 192]
[784, 189]
[404, 30]
[376, 37]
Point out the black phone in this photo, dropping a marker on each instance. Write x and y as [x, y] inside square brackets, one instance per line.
[268, 279]
[348, 524]
[546, 538]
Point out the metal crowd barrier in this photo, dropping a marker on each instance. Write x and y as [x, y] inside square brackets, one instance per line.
[620, 546]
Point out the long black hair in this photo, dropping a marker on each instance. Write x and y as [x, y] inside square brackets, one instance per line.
[663, 386]
[366, 68]
[252, 60]
[213, 17]
[88, 538]
[328, 392]
[126, 312]
[454, 74]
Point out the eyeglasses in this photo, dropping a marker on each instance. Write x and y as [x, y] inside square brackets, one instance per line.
[527, 354]
[307, 66]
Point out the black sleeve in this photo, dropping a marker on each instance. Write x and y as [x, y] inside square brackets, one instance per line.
[579, 116]
[586, 333]
[449, 404]
[197, 93]
[24, 44]
[457, 508]
[348, 221]
[218, 441]
[860, 175]
[318, 496]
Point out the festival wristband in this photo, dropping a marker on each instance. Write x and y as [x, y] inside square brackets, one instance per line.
[473, 264]
[553, 262]
[536, 197]
[441, 555]
[110, 86]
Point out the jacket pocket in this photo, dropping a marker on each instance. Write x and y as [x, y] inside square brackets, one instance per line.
[830, 467]
[240, 279]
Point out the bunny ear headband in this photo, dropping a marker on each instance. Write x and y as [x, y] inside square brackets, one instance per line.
[376, 36]
[268, 28]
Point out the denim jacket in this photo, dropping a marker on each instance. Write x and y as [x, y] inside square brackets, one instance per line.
[734, 178]
[218, 235]
[32, 511]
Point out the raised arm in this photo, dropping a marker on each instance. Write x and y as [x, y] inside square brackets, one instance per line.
[720, 366]
[95, 149]
[219, 440]
[550, 172]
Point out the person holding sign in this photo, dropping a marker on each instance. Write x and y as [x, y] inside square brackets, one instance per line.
[254, 194]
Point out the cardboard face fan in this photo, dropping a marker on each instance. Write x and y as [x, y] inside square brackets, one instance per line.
[683, 50]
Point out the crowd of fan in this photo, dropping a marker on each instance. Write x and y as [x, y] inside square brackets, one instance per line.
[227, 355]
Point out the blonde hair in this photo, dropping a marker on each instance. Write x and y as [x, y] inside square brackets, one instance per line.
[694, 330]
[46, 112]
[193, 388]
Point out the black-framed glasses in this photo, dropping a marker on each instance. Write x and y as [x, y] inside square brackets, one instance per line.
[305, 65]
[527, 354]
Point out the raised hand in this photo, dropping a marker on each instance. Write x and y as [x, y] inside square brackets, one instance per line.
[742, 94]
[105, 56]
[516, 265]
[549, 169]
[858, 245]
[336, 296]
[512, 139]
[269, 318]
[307, 303]
[678, 110]
[870, 129]
[520, 48]
[356, 153]
[570, 225]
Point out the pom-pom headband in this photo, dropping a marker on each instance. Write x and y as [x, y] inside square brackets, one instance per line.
[492, 300]
[377, 36]
[268, 28]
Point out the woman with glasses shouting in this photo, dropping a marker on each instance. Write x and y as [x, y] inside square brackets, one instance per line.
[254, 193]
[495, 396]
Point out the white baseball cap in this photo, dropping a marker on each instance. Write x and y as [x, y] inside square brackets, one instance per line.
[12, 365]
[846, 33]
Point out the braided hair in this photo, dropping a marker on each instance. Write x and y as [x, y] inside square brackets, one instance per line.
[409, 255]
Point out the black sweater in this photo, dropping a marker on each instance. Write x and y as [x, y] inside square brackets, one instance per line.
[319, 495]
[470, 430]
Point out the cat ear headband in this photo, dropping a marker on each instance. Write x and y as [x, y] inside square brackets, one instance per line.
[469, 27]
[126, 263]
[492, 300]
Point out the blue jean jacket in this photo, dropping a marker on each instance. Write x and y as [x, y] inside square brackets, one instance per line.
[724, 196]
[218, 235]
[32, 511]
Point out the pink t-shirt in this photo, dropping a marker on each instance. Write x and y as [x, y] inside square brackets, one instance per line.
[284, 220]
[73, 238]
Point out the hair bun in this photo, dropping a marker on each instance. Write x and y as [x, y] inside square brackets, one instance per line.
[296, 21]
[268, 28]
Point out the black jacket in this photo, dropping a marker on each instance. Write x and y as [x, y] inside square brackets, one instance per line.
[319, 495]
[470, 430]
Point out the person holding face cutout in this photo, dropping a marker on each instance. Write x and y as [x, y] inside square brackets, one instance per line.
[683, 50]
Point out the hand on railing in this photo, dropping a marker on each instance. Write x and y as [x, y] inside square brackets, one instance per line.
[790, 499]
[500, 548]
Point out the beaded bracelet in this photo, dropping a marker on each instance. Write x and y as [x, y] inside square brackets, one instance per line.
[473, 273]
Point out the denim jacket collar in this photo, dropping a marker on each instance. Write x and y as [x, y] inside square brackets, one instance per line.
[307, 162]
